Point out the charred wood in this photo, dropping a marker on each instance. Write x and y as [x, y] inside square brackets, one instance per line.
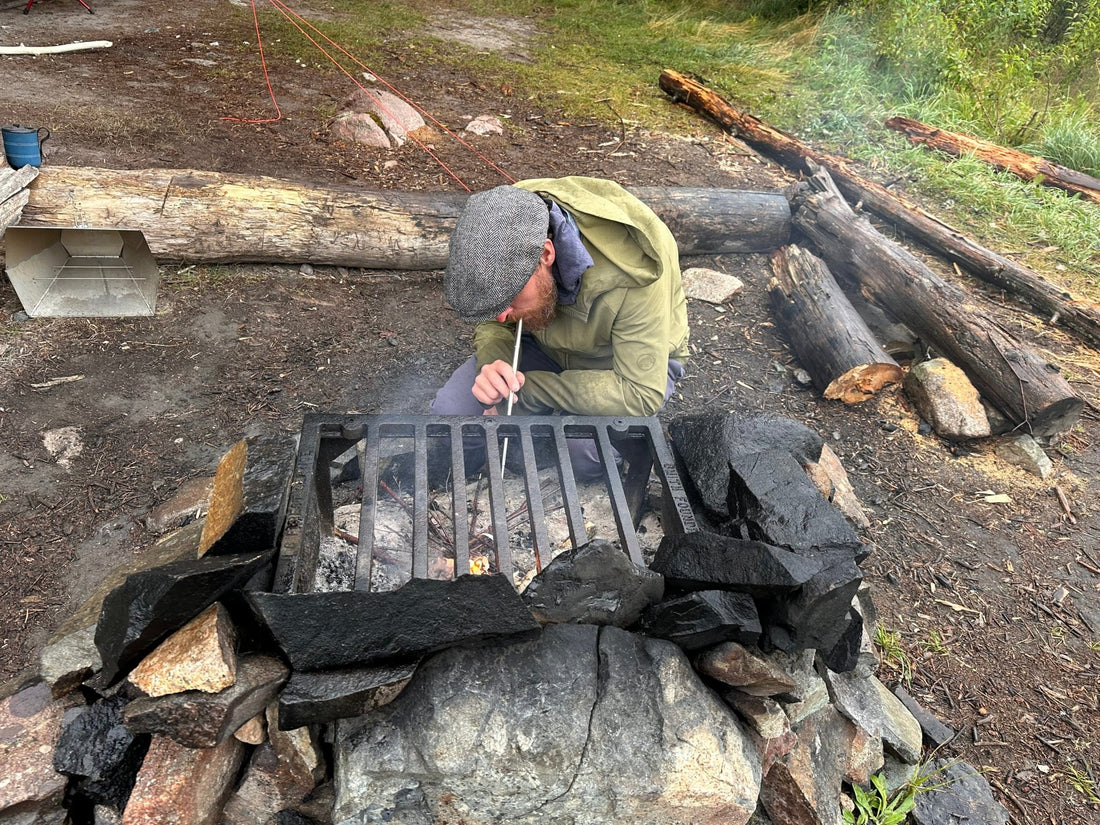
[1054, 302]
[826, 333]
[1005, 371]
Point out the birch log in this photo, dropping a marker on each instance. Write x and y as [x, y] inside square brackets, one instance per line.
[197, 216]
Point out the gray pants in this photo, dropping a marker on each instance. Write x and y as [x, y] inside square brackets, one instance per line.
[456, 398]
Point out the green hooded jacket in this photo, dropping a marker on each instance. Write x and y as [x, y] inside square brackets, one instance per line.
[630, 317]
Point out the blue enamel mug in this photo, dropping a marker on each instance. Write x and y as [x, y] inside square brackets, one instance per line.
[23, 146]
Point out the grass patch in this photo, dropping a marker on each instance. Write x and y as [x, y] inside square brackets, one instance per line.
[1083, 783]
[893, 652]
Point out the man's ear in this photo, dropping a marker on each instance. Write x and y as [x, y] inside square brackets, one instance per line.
[548, 253]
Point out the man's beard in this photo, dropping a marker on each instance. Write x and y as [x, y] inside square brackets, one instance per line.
[543, 313]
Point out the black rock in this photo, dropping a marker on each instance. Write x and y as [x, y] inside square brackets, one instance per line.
[771, 493]
[956, 793]
[594, 584]
[197, 719]
[707, 443]
[704, 618]
[99, 753]
[326, 695]
[151, 604]
[844, 655]
[705, 561]
[319, 631]
[268, 471]
[817, 613]
[936, 733]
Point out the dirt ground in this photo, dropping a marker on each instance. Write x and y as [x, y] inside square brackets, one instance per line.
[997, 605]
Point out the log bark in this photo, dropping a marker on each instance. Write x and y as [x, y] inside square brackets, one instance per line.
[188, 215]
[1055, 302]
[13, 192]
[1008, 374]
[1020, 164]
[826, 333]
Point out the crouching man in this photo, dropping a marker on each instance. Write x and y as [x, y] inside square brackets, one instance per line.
[595, 276]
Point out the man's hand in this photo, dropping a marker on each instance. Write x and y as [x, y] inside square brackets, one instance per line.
[495, 382]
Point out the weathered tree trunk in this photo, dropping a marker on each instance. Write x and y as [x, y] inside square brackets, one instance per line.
[1020, 164]
[214, 217]
[1003, 369]
[13, 192]
[1055, 302]
[826, 333]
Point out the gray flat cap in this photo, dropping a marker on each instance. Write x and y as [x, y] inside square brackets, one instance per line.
[494, 250]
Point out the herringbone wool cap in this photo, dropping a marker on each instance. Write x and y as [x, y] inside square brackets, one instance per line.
[494, 250]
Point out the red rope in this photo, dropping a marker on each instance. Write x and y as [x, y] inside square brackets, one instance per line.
[267, 77]
[392, 88]
[290, 15]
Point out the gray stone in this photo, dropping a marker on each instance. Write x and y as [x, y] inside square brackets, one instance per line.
[817, 615]
[702, 561]
[831, 480]
[936, 733]
[703, 618]
[710, 285]
[68, 659]
[319, 631]
[594, 584]
[771, 492]
[811, 691]
[202, 720]
[764, 714]
[582, 724]
[945, 398]
[803, 788]
[99, 753]
[187, 504]
[871, 706]
[706, 443]
[844, 655]
[152, 604]
[327, 695]
[958, 794]
[1024, 451]
[268, 786]
[485, 125]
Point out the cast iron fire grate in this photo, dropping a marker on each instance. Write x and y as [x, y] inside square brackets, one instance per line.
[539, 447]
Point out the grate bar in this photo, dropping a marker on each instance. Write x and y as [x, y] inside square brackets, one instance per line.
[436, 440]
[459, 504]
[624, 518]
[497, 509]
[536, 513]
[571, 500]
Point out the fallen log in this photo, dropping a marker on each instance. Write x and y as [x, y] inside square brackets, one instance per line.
[13, 192]
[195, 216]
[1020, 164]
[826, 333]
[1030, 391]
[1055, 302]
